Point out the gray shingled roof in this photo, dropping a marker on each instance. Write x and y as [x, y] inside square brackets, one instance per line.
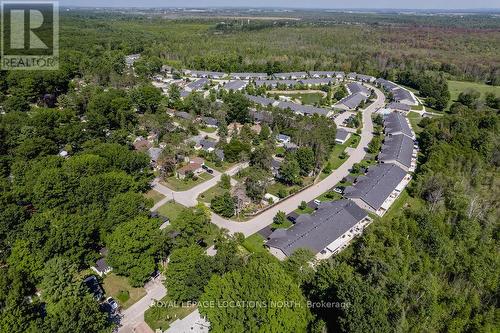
[355, 87]
[387, 85]
[363, 77]
[353, 101]
[235, 85]
[396, 123]
[397, 148]
[210, 121]
[249, 75]
[317, 81]
[326, 73]
[305, 109]
[402, 94]
[207, 73]
[399, 106]
[183, 115]
[198, 84]
[318, 230]
[264, 101]
[207, 144]
[342, 134]
[290, 74]
[377, 185]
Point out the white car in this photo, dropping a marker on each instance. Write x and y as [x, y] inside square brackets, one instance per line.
[112, 303]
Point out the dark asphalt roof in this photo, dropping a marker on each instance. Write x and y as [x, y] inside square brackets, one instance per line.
[318, 230]
[198, 84]
[317, 81]
[264, 101]
[342, 134]
[397, 148]
[396, 123]
[355, 87]
[235, 85]
[387, 85]
[353, 101]
[377, 185]
[398, 106]
[249, 75]
[210, 121]
[402, 94]
[305, 109]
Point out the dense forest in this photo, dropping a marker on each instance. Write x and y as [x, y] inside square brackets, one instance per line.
[431, 266]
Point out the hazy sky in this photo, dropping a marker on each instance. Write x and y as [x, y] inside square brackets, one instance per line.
[412, 4]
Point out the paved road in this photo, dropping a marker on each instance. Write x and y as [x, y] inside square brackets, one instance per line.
[188, 198]
[290, 204]
[133, 317]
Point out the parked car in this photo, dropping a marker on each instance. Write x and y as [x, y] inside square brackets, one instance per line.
[112, 303]
[210, 171]
[204, 167]
[338, 190]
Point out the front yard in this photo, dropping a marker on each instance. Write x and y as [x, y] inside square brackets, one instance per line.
[255, 243]
[165, 312]
[171, 210]
[156, 196]
[119, 288]
[212, 192]
[180, 185]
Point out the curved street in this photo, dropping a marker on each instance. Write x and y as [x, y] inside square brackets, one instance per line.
[356, 155]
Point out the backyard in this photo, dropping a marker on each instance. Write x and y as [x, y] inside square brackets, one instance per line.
[119, 288]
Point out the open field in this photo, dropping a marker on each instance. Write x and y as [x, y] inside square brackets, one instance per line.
[119, 288]
[456, 87]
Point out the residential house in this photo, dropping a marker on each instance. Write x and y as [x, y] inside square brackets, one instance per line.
[193, 167]
[399, 106]
[210, 122]
[154, 155]
[399, 149]
[317, 81]
[403, 96]
[342, 136]
[206, 145]
[379, 188]
[263, 101]
[325, 232]
[184, 115]
[282, 138]
[320, 74]
[196, 85]
[291, 75]
[351, 102]
[275, 166]
[262, 116]
[249, 76]
[386, 85]
[358, 88]
[396, 123]
[131, 59]
[93, 285]
[219, 153]
[206, 74]
[352, 76]
[235, 85]
[306, 110]
[100, 266]
[365, 78]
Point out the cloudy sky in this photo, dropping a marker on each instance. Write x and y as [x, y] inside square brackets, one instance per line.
[409, 4]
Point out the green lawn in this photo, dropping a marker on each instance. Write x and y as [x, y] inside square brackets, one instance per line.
[419, 107]
[119, 288]
[334, 159]
[255, 244]
[164, 312]
[329, 196]
[222, 168]
[310, 98]
[307, 210]
[415, 119]
[456, 87]
[285, 225]
[402, 201]
[209, 194]
[177, 184]
[171, 210]
[277, 186]
[152, 194]
[208, 129]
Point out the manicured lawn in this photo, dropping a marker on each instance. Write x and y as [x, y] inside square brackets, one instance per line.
[254, 243]
[456, 87]
[285, 225]
[119, 288]
[164, 312]
[276, 187]
[310, 98]
[415, 119]
[417, 107]
[209, 194]
[329, 196]
[177, 184]
[152, 194]
[171, 210]
[335, 160]
[307, 210]
[224, 166]
[403, 200]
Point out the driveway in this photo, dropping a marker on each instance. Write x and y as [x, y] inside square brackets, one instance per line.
[133, 318]
[356, 155]
[188, 198]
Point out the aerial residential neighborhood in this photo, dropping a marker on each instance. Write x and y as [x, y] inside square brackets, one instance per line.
[198, 167]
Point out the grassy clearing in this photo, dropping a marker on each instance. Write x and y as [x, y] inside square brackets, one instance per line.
[160, 317]
[415, 119]
[456, 87]
[254, 244]
[177, 184]
[307, 210]
[171, 210]
[211, 193]
[156, 196]
[119, 288]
